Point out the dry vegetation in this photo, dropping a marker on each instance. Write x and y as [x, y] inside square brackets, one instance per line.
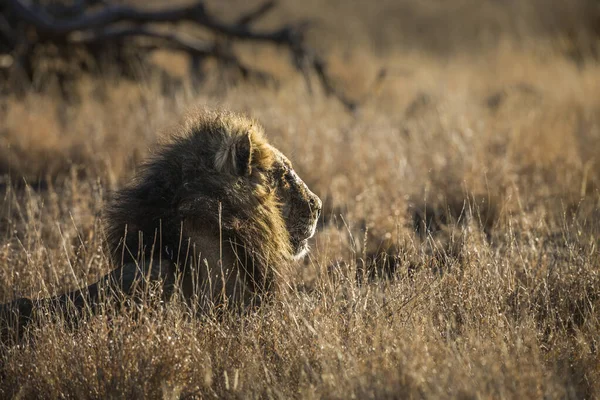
[457, 257]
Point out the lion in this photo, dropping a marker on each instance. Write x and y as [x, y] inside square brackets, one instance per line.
[216, 214]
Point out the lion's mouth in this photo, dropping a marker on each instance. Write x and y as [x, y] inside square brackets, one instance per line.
[301, 249]
[300, 240]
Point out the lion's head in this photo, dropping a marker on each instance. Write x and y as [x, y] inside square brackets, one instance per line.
[299, 206]
[217, 186]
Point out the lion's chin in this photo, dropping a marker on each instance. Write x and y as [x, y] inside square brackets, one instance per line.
[301, 249]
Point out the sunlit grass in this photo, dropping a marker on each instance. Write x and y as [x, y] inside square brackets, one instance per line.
[457, 255]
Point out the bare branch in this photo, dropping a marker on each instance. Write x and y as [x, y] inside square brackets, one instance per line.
[330, 90]
[181, 41]
[196, 12]
[47, 24]
[116, 22]
[172, 41]
[6, 33]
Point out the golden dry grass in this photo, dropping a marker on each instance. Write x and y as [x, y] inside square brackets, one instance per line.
[475, 173]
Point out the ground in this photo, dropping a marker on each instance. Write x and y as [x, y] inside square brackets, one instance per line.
[457, 254]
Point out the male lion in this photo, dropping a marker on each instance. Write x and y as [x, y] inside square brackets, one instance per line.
[216, 214]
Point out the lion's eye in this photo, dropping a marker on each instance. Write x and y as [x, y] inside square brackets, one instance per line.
[291, 177]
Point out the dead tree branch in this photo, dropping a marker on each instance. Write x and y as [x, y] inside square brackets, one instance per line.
[82, 25]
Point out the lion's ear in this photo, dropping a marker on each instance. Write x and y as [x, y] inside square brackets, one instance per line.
[235, 155]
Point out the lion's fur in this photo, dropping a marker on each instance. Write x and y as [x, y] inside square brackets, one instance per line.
[189, 193]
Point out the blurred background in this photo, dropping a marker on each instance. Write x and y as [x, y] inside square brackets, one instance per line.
[389, 56]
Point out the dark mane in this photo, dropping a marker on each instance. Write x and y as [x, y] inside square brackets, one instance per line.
[181, 186]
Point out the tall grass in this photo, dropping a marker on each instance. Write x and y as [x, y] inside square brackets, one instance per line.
[457, 255]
